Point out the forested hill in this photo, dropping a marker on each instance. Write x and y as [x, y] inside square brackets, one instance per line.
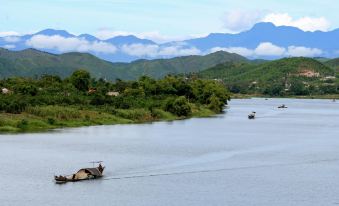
[295, 76]
[334, 63]
[31, 62]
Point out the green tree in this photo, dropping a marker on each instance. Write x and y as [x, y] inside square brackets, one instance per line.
[298, 88]
[81, 79]
[274, 90]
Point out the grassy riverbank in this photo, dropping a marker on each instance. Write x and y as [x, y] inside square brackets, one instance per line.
[49, 102]
[52, 117]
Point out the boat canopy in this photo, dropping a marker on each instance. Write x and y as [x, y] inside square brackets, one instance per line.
[92, 171]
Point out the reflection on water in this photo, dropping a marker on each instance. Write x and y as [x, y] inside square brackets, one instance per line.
[283, 157]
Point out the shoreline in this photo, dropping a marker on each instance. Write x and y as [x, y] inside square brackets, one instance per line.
[248, 96]
[28, 123]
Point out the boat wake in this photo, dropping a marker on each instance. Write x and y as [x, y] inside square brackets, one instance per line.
[218, 170]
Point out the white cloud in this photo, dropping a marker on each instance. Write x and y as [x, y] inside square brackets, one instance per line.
[303, 51]
[305, 23]
[151, 50]
[63, 44]
[263, 49]
[141, 50]
[11, 39]
[240, 20]
[9, 46]
[269, 49]
[8, 33]
[178, 51]
[238, 50]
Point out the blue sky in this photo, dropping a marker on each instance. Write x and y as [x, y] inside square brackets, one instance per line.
[163, 19]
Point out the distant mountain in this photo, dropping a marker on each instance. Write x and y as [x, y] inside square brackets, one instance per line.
[31, 62]
[51, 32]
[72, 43]
[88, 37]
[280, 41]
[283, 36]
[126, 40]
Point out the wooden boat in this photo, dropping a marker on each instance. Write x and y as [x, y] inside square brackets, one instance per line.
[282, 106]
[82, 174]
[252, 115]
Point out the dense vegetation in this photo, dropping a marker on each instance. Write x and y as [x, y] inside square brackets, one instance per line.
[289, 76]
[31, 63]
[334, 63]
[51, 102]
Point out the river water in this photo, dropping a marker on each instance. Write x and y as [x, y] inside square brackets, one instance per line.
[283, 157]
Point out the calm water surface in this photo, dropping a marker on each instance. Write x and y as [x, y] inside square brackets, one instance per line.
[284, 157]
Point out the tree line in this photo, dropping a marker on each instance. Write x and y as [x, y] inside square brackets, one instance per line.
[174, 94]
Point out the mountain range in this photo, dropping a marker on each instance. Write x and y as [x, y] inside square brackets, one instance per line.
[31, 63]
[237, 72]
[263, 40]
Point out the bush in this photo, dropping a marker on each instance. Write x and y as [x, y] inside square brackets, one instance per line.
[215, 104]
[274, 90]
[23, 124]
[51, 121]
[98, 100]
[178, 106]
[14, 105]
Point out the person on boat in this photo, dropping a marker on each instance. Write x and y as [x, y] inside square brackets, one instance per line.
[101, 168]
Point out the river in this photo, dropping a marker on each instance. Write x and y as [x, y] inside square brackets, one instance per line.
[283, 157]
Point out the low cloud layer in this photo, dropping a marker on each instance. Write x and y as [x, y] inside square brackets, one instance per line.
[11, 39]
[304, 51]
[149, 50]
[8, 33]
[9, 46]
[63, 44]
[267, 49]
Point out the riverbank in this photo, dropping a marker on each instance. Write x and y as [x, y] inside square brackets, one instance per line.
[45, 118]
[248, 96]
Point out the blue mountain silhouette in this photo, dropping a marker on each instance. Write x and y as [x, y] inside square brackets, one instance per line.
[282, 36]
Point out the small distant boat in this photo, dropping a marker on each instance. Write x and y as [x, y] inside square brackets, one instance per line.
[252, 115]
[82, 174]
[333, 100]
[282, 106]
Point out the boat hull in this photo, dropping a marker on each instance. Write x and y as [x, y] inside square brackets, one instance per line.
[81, 175]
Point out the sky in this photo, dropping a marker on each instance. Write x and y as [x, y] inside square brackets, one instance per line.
[163, 20]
